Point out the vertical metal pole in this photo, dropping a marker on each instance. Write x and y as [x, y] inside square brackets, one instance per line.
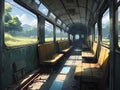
[112, 44]
[41, 29]
[1, 38]
[54, 32]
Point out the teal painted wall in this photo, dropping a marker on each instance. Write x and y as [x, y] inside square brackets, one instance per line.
[27, 53]
[117, 72]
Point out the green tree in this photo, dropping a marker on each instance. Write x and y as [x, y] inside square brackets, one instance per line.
[8, 9]
[12, 23]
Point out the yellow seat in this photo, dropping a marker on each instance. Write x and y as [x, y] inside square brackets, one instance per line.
[47, 54]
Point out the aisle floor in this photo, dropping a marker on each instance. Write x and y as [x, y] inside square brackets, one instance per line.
[63, 79]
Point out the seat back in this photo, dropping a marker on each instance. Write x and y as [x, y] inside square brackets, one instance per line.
[46, 51]
[105, 61]
[101, 55]
[94, 48]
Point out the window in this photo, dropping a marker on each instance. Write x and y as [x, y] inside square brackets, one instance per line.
[64, 25]
[96, 32]
[71, 37]
[37, 1]
[52, 16]
[64, 35]
[106, 28]
[59, 22]
[77, 36]
[43, 9]
[119, 26]
[58, 33]
[48, 31]
[67, 28]
[20, 25]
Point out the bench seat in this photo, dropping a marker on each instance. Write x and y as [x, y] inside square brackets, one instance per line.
[64, 46]
[47, 54]
[53, 60]
[92, 53]
[90, 72]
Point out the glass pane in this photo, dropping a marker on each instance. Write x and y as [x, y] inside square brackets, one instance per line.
[59, 22]
[64, 35]
[48, 31]
[52, 16]
[20, 25]
[71, 37]
[58, 34]
[43, 9]
[106, 28]
[119, 26]
[77, 36]
[37, 1]
[96, 32]
[64, 25]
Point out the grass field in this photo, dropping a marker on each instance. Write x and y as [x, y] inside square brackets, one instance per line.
[106, 41]
[14, 41]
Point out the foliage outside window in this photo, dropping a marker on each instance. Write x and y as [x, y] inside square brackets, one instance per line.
[106, 28]
[20, 25]
[119, 26]
[58, 33]
[48, 31]
[96, 32]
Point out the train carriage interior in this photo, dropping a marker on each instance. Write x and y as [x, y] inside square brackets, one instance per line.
[59, 44]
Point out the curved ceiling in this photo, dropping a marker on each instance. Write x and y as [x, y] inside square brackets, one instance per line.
[73, 11]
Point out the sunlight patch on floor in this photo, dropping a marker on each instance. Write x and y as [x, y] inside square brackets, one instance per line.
[65, 70]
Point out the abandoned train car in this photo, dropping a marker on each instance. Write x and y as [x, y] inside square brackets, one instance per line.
[59, 44]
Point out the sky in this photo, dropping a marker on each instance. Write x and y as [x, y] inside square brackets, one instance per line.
[25, 16]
